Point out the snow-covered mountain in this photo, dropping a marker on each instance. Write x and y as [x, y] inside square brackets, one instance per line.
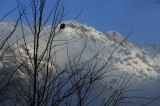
[128, 57]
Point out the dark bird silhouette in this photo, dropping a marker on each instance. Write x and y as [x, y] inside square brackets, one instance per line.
[62, 26]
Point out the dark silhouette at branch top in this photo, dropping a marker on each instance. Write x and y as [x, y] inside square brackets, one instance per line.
[62, 26]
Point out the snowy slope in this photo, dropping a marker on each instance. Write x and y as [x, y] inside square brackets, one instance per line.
[128, 58]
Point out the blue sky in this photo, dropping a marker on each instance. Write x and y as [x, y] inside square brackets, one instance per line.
[117, 15]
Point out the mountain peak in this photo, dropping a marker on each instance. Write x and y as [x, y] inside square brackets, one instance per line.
[128, 56]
